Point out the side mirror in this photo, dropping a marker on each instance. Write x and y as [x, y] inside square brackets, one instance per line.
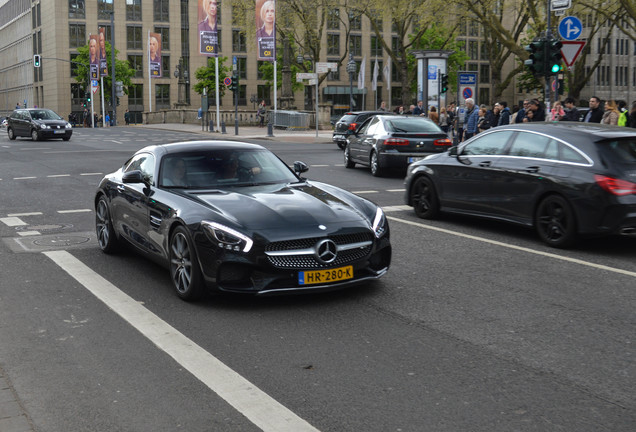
[133, 177]
[453, 151]
[300, 167]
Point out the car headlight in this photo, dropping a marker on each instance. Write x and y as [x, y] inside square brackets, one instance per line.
[227, 238]
[379, 223]
[69, 126]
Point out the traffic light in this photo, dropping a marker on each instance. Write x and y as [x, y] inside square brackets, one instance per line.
[444, 83]
[88, 97]
[36, 60]
[554, 57]
[536, 61]
[235, 83]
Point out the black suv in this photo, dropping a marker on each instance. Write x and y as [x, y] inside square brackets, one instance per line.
[348, 124]
[38, 123]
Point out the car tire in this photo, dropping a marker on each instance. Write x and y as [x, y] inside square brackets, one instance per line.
[106, 237]
[555, 222]
[11, 134]
[184, 266]
[348, 163]
[374, 163]
[35, 136]
[424, 198]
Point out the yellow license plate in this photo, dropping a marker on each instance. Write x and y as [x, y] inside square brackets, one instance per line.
[325, 276]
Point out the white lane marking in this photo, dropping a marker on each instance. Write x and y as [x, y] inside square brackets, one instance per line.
[395, 190]
[519, 248]
[116, 142]
[12, 221]
[319, 166]
[396, 208]
[23, 178]
[59, 175]
[91, 174]
[35, 148]
[74, 211]
[28, 233]
[365, 192]
[25, 214]
[249, 400]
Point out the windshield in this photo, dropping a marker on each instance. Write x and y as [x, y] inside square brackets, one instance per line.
[44, 114]
[412, 124]
[220, 168]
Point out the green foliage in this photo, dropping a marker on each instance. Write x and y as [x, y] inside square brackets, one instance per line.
[123, 71]
[206, 77]
[439, 37]
[267, 71]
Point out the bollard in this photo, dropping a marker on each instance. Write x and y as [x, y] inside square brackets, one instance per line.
[270, 129]
[223, 127]
[211, 127]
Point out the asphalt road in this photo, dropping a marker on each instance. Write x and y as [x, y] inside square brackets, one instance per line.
[477, 326]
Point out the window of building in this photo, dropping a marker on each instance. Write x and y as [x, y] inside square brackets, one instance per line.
[396, 73]
[136, 62]
[77, 95]
[76, 35]
[380, 74]
[133, 10]
[241, 67]
[259, 72]
[136, 94]
[473, 50]
[473, 28]
[333, 19]
[396, 97]
[242, 95]
[165, 37]
[185, 40]
[165, 66]
[74, 65]
[161, 9]
[238, 41]
[355, 45]
[484, 73]
[162, 96]
[333, 75]
[76, 9]
[333, 44]
[485, 51]
[376, 46]
[355, 20]
[133, 37]
[395, 44]
[104, 9]
[263, 93]
[377, 18]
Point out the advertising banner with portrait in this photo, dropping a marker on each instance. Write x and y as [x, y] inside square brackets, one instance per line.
[208, 36]
[154, 54]
[93, 56]
[266, 29]
[103, 61]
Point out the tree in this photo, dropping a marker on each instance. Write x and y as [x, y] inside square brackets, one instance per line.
[123, 71]
[206, 76]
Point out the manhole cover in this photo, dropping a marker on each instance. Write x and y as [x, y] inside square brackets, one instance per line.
[42, 228]
[58, 241]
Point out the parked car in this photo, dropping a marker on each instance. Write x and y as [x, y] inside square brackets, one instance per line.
[233, 217]
[386, 142]
[38, 123]
[348, 124]
[566, 180]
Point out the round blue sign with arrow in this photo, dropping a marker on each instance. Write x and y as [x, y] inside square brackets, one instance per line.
[570, 28]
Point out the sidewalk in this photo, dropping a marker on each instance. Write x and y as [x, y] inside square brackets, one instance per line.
[246, 132]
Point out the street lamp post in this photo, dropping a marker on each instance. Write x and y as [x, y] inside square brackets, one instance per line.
[183, 75]
[351, 68]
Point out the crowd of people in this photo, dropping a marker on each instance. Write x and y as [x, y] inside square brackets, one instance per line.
[480, 118]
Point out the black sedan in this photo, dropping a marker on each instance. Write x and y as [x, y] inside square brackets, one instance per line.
[566, 180]
[386, 142]
[348, 124]
[38, 123]
[234, 217]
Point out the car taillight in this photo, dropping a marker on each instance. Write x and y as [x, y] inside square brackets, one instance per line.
[443, 142]
[353, 126]
[615, 186]
[396, 141]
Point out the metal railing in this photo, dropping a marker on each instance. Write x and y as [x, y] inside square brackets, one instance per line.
[290, 119]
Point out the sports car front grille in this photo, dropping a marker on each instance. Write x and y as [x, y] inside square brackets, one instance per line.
[305, 261]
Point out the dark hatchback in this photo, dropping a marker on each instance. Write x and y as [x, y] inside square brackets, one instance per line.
[389, 142]
[566, 179]
[38, 123]
[348, 124]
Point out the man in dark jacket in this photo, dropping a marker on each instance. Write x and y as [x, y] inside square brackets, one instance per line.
[538, 112]
[521, 114]
[571, 113]
[595, 114]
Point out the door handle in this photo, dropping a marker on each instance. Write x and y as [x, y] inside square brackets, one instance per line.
[485, 164]
[120, 188]
[532, 169]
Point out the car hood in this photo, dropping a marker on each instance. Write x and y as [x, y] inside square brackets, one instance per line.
[51, 123]
[279, 206]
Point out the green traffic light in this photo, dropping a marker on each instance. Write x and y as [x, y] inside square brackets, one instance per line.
[556, 68]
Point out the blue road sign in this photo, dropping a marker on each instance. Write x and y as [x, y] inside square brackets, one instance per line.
[467, 93]
[467, 79]
[570, 28]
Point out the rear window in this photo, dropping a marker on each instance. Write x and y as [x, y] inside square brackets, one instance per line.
[347, 118]
[621, 151]
[411, 124]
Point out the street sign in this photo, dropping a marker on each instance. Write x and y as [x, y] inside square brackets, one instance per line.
[94, 83]
[570, 28]
[95, 88]
[467, 92]
[557, 5]
[227, 81]
[324, 67]
[467, 78]
[570, 51]
[304, 76]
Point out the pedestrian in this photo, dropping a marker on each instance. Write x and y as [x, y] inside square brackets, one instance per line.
[482, 122]
[418, 110]
[470, 119]
[444, 120]
[594, 115]
[432, 114]
[261, 112]
[17, 106]
[513, 116]
[529, 118]
[631, 120]
[557, 112]
[411, 109]
[199, 113]
[85, 116]
[623, 117]
[382, 106]
[495, 114]
[538, 114]
[504, 115]
[522, 111]
[570, 111]
[610, 117]
[107, 119]
[127, 117]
